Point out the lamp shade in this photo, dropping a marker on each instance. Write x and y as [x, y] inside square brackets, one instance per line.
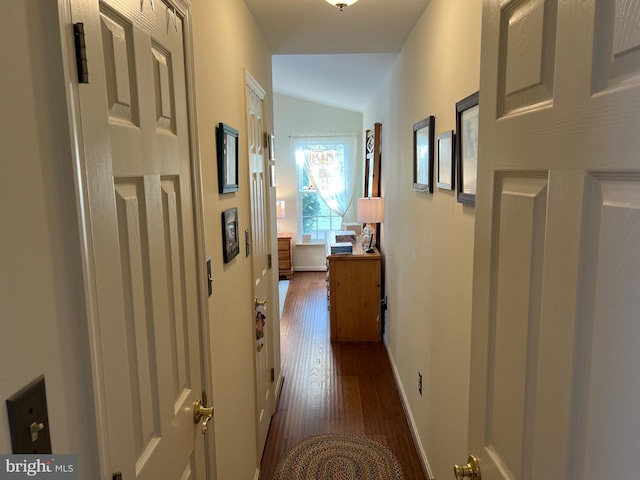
[280, 209]
[341, 3]
[370, 210]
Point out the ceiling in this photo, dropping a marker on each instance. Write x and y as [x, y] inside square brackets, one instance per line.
[332, 57]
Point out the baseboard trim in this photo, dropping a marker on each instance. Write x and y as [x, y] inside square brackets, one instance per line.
[424, 462]
[312, 268]
[279, 386]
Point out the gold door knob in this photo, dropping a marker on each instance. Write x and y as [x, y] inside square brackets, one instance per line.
[260, 303]
[470, 470]
[200, 412]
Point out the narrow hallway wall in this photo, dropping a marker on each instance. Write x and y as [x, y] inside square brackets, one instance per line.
[226, 42]
[428, 238]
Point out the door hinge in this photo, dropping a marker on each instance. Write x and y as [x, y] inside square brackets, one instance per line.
[81, 53]
[273, 375]
[269, 260]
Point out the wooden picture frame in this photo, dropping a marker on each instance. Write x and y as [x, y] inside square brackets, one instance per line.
[445, 178]
[373, 158]
[227, 143]
[467, 111]
[230, 243]
[423, 151]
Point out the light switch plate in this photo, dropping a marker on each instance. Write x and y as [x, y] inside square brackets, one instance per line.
[26, 408]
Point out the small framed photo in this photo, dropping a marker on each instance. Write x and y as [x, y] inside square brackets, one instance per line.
[446, 168]
[423, 134]
[227, 141]
[467, 111]
[270, 143]
[230, 244]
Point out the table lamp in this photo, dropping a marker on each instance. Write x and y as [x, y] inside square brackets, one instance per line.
[370, 210]
[279, 212]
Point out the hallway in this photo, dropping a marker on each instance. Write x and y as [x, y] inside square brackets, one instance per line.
[345, 388]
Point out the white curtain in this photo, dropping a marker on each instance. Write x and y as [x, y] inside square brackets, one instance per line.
[330, 164]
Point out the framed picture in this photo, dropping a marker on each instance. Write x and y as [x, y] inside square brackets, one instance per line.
[445, 178]
[423, 134]
[467, 148]
[270, 143]
[230, 244]
[227, 140]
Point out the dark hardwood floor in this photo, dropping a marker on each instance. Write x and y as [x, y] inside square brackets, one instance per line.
[339, 387]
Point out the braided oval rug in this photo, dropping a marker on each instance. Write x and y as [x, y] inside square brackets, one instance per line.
[337, 456]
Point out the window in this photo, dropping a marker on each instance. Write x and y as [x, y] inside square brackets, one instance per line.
[325, 182]
[316, 217]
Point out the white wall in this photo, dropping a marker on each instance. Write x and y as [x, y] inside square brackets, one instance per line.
[42, 328]
[428, 238]
[292, 117]
[227, 41]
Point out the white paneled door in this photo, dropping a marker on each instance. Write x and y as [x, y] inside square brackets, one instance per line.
[141, 231]
[555, 381]
[260, 250]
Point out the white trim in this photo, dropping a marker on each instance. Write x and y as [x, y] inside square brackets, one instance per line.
[256, 476]
[96, 395]
[206, 367]
[254, 85]
[426, 468]
[279, 385]
[315, 268]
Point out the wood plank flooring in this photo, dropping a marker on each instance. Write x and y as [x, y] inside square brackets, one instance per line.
[339, 387]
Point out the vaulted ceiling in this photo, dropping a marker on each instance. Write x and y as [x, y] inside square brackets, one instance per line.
[332, 57]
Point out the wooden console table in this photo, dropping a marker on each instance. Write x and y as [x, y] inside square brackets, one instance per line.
[353, 294]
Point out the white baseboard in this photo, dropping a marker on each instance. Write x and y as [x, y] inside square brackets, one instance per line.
[412, 424]
[279, 386]
[315, 268]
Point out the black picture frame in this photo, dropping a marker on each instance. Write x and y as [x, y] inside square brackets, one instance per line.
[227, 143]
[445, 177]
[230, 243]
[423, 151]
[467, 111]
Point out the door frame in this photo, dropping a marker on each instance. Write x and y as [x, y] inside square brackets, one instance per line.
[94, 385]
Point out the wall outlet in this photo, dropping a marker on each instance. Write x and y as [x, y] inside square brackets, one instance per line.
[420, 382]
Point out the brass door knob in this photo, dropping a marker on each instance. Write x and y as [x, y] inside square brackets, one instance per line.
[470, 470]
[200, 412]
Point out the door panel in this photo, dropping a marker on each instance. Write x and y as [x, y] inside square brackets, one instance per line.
[260, 249]
[513, 345]
[141, 212]
[556, 280]
[607, 382]
[527, 54]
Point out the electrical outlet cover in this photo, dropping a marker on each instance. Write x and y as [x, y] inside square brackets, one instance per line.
[25, 408]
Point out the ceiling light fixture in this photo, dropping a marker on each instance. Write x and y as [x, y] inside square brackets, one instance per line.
[341, 3]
